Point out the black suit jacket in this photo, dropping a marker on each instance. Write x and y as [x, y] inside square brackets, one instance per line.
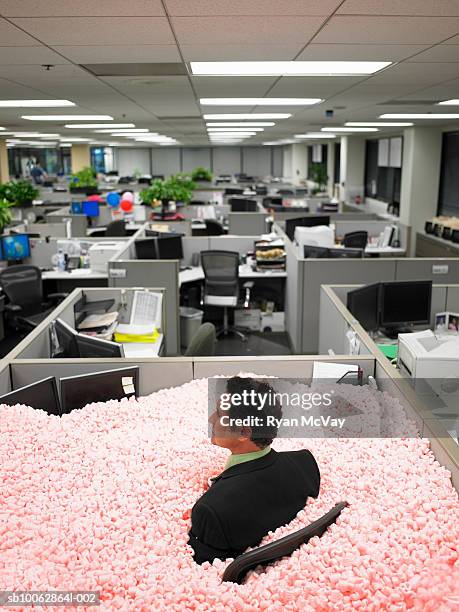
[250, 499]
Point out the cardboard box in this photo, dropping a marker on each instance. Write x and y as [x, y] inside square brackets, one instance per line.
[274, 321]
[248, 318]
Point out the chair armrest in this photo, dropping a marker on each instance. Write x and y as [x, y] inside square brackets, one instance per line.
[56, 297]
[263, 555]
[13, 308]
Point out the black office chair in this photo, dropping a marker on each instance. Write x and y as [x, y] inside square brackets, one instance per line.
[286, 192]
[116, 228]
[23, 287]
[203, 342]
[263, 555]
[213, 228]
[355, 240]
[221, 287]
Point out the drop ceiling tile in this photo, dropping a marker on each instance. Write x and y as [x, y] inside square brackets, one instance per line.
[250, 7]
[388, 30]
[416, 74]
[400, 7]
[38, 55]
[69, 8]
[119, 54]
[235, 87]
[103, 30]
[439, 53]
[10, 35]
[245, 30]
[312, 87]
[219, 53]
[356, 52]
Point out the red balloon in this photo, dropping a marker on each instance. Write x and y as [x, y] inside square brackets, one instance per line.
[126, 205]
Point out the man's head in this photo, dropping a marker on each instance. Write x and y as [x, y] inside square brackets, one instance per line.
[244, 419]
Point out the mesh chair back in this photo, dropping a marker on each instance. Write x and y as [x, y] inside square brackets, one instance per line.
[22, 286]
[356, 240]
[116, 228]
[203, 342]
[221, 271]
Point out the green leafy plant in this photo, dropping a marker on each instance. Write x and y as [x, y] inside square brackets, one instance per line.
[318, 174]
[5, 213]
[201, 174]
[178, 188]
[185, 179]
[18, 192]
[86, 177]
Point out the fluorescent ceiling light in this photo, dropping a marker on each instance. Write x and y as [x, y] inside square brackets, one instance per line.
[349, 130]
[249, 116]
[235, 130]
[126, 130]
[220, 134]
[259, 101]
[292, 68]
[76, 139]
[242, 124]
[2, 129]
[278, 142]
[35, 135]
[315, 135]
[83, 126]
[418, 116]
[453, 102]
[376, 124]
[67, 117]
[66, 144]
[35, 103]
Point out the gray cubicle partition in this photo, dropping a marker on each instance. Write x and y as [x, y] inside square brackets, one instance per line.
[50, 230]
[79, 222]
[247, 223]
[178, 227]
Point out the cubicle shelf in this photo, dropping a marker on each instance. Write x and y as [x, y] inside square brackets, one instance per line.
[433, 246]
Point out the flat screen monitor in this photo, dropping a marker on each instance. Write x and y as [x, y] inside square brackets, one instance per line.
[90, 347]
[76, 208]
[170, 247]
[15, 247]
[66, 339]
[341, 253]
[315, 252]
[91, 209]
[310, 221]
[242, 205]
[233, 191]
[363, 303]
[42, 395]
[77, 391]
[146, 248]
[405, 302]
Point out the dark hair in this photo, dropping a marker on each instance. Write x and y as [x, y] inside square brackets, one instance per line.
[264, 433]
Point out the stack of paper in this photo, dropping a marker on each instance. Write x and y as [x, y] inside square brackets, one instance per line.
[99, 325]
[126, 332]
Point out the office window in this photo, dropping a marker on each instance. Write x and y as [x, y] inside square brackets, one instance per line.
[317, 162]
[383, 172]
[337, 166]
[448, 200]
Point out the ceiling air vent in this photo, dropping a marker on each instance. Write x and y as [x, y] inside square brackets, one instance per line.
[137, 69]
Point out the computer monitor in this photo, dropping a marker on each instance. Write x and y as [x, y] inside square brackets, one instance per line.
[77, 391]
[315, 252]
[146, 248]
[66, 339]
[363, 303]
[91, 209]
[405, 303]
[15, 247]
[91, 347]
[169, 247]
[341, 253]
[233, 191]
[242, 205]
[310, 221]
[76, 208]
[42, 395]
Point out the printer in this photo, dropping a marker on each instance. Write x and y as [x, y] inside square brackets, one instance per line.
[426, 355]
[101, 253]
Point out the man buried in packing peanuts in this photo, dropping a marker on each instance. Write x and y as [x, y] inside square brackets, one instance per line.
[260, 489]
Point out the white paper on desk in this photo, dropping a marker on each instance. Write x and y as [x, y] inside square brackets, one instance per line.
[147, 309]
[98, 320]
[135, 330]
[326, 369]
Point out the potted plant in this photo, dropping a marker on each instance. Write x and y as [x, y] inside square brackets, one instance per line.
[178, 188]
[5, 213]
[202, 174]
[20, 193]
[84, 181]
[318, 174]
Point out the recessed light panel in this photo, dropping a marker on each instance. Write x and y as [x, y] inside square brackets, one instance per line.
[287, 68]
[259, 101]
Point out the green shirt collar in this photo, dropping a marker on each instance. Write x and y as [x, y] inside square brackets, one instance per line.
[236, 459]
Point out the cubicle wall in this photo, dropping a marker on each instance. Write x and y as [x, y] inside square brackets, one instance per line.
[79, 223]
[246, 223]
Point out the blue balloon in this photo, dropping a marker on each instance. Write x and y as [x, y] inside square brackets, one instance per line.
[113, 199]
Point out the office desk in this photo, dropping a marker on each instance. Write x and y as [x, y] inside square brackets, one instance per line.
[245, 272]
[65, 282]
[144, 350]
